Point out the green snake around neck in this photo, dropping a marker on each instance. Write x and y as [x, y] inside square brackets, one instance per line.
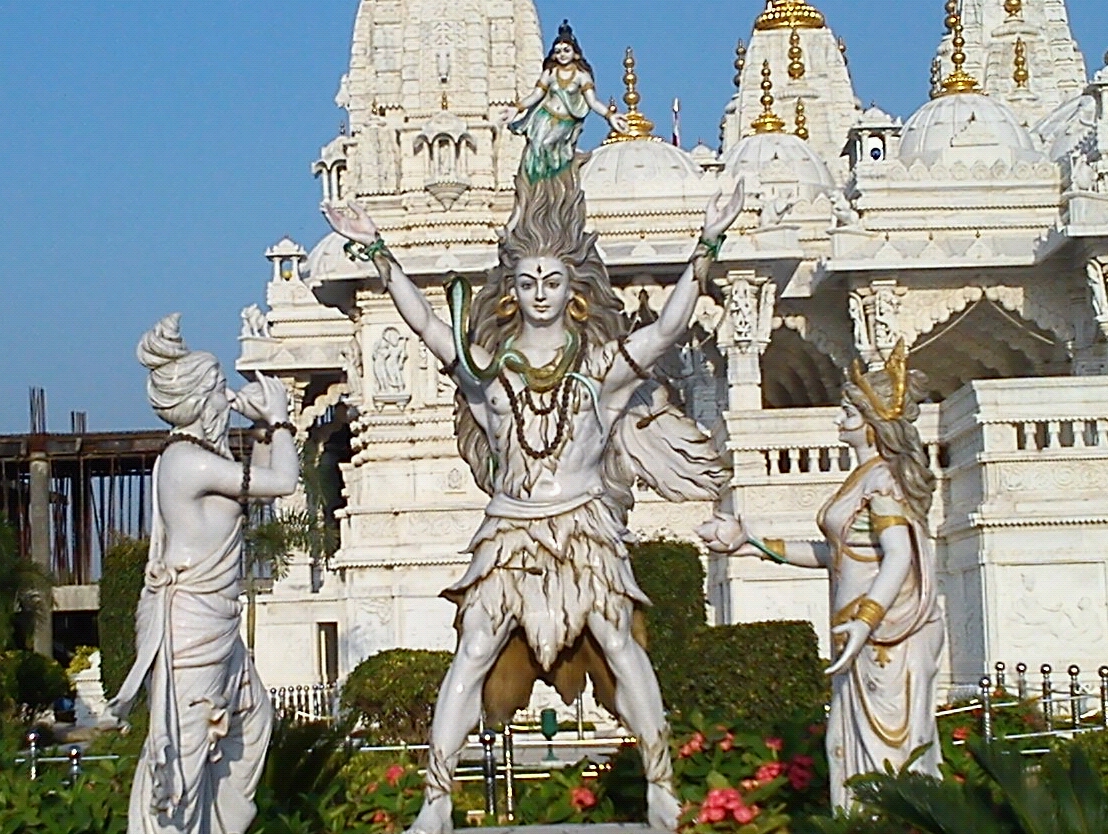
[459, 294]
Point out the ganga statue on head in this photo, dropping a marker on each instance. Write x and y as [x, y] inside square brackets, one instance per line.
[887, 630]
[552, 115]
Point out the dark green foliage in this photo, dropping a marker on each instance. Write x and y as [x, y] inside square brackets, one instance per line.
[120, 587]
[672, 576]
[394, 693]
[30, 681]
[23, 590]
[758, 673]
[1059, 794]
[1095, 747]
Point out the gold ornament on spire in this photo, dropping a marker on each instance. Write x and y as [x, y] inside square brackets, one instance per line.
[638, 126]
[1014, 8]
[790, 14]
[796, 57]
[768, 122]
[1021, 75]
[896, 368]
[801, 120]
[740, 63]
[959, 81]
[952, 16]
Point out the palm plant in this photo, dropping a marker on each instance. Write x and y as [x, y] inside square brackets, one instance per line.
[23, 589]
[1059, 794]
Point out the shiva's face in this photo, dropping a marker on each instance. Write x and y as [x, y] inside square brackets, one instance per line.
[542, 290]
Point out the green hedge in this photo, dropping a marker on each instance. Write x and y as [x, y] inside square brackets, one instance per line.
[758, 673]
[671, 574]
[120, 587]
[394, 693]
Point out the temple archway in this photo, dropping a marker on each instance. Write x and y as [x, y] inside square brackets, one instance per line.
[796, 374]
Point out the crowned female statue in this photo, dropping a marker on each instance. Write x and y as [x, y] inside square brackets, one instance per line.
[887, 628]
[552, 115]
[557, 418]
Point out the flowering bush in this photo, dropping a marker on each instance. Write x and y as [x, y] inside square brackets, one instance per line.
[958, 731]
[570, 795]
[381, 797]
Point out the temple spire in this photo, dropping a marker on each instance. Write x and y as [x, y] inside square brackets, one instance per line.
[638, 125]
[790, 14]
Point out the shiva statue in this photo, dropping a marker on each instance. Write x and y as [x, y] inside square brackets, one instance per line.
[558, 418]
[552, 115]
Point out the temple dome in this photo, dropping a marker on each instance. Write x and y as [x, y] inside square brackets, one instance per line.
[638, 167]
[787, 155]
[1061, 131]
[328, 262]
[969, 122]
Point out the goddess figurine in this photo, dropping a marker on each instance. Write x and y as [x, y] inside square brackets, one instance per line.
[552, 115]
[887, 628]
[557, 422]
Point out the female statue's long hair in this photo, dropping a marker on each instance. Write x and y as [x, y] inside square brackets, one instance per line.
[898, 441]
[548, 221]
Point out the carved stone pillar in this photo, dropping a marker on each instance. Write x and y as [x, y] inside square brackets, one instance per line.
[744, 335]
[875, 314]
[1097, 278]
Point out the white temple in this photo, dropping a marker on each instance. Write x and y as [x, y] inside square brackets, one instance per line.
[977, 230]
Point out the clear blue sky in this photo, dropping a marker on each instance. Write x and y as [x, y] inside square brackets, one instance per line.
[151, 151]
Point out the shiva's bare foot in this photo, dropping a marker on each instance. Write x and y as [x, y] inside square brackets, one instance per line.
[435, 817]
[663, 809]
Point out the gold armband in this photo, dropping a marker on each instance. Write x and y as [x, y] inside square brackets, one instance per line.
[776, 545]
[869, 612]
[881, 523]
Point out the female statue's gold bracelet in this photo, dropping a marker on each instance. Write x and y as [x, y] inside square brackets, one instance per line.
[869, 612]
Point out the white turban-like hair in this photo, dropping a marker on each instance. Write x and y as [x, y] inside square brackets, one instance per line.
[180, 380]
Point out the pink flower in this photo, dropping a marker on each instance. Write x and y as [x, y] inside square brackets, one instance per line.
[380, 817]
[800, 772]
[775, 744]
[393, 774]
[817, 729]
[768, 772]
[694, 745]
[746, 814]
[960, 733]
[581, 798]
[727, 742]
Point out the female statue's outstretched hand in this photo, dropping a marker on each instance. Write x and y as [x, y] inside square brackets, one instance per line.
[618, 123]
[718, 220]
[354, 224]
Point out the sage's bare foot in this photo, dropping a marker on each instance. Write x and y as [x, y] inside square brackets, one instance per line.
[435, 817]
[663, 809]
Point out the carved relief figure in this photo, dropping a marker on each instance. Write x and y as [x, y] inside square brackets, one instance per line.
[553, 114]
[353, 366]
[887, 628]
[843, 212]
[774, 210]
[210, 717]
[1095, 271]
[390, 356]
[862, 341]
[254, 324]
[1082, 174]
[557, 419]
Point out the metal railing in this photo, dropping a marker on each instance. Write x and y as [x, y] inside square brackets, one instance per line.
[305, 704]
[74, 758]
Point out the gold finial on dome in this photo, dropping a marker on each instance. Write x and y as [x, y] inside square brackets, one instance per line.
[801, 120]
[790, 14]
[740, 63]
[1014, 8]
[959, 81]
[638, 126]
[768, 122]
[1021, 75]
[796, 57]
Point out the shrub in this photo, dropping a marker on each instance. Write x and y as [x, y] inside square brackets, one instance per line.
[120, 587]
[754, 673]
[670, 573]
[394, 693]
[31, 682]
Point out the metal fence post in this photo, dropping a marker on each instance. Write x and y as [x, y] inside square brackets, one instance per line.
[986, 686]
[1048, 697]
[1075, 696]
[509, 774]
[74, 764]
[488, 742]
[1001, 681]
[32, 753]
[1103, 672]
[1021, 672]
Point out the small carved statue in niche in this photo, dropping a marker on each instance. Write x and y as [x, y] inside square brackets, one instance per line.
[390, 356]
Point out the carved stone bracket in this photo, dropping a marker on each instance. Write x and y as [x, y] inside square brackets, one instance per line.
[748, 323]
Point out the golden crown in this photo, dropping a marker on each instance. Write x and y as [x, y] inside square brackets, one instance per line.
[897, 369]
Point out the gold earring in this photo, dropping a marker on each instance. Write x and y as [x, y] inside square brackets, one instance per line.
[507, 307]
[578, 308]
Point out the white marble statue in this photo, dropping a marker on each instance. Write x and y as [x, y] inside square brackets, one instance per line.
[887, 630]
[843, 211]
[553, 114]
[774, 210]
[557, 423]
[210, 717]
[254, 324]
[1098, 289]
